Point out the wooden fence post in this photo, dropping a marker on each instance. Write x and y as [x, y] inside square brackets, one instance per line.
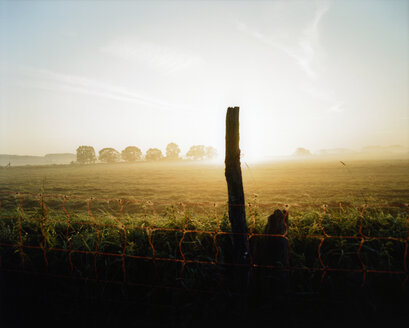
[237, 210]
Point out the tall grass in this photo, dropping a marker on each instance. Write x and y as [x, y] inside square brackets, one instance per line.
[166, 236]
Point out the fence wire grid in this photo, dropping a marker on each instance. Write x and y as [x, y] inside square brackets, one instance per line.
[124, 250]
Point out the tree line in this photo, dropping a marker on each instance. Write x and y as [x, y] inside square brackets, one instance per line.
[87, 155]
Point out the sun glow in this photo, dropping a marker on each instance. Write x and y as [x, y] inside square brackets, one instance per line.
[164, 72]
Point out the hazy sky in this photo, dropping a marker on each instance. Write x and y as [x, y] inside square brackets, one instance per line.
[318, 75]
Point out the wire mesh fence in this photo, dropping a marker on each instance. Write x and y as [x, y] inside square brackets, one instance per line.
[188, 245]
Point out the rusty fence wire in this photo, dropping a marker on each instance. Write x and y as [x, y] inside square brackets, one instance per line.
[14, 250]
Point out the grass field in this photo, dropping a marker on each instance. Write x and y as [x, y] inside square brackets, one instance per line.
[298, 182]
[85, 238]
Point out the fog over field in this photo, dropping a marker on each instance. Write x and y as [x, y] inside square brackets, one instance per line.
[297, 182]
[204, 163]
[311, 74]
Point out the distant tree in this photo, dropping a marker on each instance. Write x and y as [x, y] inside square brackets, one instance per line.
[131, 154]
[109, 155]
[302, 152]
[172, 151]
[153, 154]
[211, 152]
[197, 152]
[86, 154]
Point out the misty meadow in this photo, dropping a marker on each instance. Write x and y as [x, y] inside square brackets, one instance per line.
[204, 163]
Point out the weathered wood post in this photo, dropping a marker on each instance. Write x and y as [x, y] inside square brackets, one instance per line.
[237, 210]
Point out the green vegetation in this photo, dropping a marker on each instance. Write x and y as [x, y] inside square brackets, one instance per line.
[297, 183]
[131, 154]
[151, 197]
[102, 226]
[158, 224]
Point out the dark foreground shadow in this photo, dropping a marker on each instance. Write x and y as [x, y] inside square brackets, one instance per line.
[28, 300]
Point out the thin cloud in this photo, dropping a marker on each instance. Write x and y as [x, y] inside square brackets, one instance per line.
[328, 101]
[306, 51]
[159, 57]
[338, 107]
[55, 81]
[308, 47]
[324, 95]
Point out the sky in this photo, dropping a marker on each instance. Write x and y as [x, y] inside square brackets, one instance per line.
[312, 74]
